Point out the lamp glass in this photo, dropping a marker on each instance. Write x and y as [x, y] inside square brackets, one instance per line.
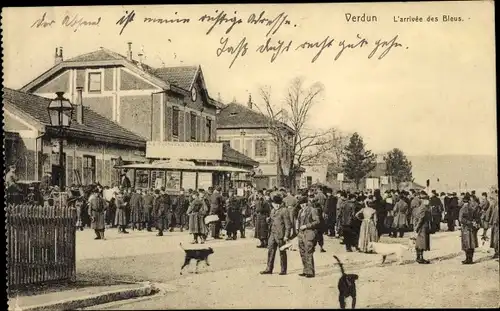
[60, 111]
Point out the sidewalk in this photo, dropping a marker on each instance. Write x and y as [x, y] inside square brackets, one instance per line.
[79, 298]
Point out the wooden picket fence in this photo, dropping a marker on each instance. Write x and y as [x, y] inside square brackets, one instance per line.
[41, 244]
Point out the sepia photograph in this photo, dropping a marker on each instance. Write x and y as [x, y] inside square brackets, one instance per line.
[250, 156]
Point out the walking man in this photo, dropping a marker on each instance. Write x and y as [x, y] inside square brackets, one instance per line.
[280, 227]
[346, 216]
[97, 213]
[308, 221]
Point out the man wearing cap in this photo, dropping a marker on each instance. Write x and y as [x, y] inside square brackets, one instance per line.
[216, 208]
[421, 225]
[330, 212]
[436, 207]
[233, 217]
[97, 211]
[162, 203]
[291, 204]
[137, 209]
[308, 221]
[181, 209]
[321, 228]
[148, 200]
[470, 224]
[280, 226]
[342, 200]
[346, 216]
[452, 212]
[125, 181]
[492, 217]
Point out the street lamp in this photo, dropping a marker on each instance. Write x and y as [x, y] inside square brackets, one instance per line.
[60, 113]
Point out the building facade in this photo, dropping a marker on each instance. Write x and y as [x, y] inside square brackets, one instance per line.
[92, 145]
[247, 131]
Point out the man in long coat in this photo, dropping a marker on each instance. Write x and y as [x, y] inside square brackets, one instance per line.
[452, 211]
[216, 208]
[262, 211]
[308, 222]
[436, 212]
[280, 227]
[181, 209]
[346, 217]
[291, 203]
[162, 203]
[148, 200]
[470, 223]
[414, 205]
[342, 200]
[493, 222]
[330, 212]
[233, 217]
[399, 224]
[421, 226]
[137, 209]
[97, 213]
[121, 212]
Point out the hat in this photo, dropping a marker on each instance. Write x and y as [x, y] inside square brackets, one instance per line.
[277, 199]
[302, 200]
[422, 192]
[466, 199]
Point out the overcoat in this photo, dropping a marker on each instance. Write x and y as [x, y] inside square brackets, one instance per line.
[121, 211]
[97, 212]
[233, 219]
[470, 222]
[148, 200]
[137, 208]
[400, 215]
[197, 211]
[493, 222]
[421, 225]
[262, 212]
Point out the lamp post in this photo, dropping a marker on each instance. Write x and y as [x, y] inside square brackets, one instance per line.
[60, 114]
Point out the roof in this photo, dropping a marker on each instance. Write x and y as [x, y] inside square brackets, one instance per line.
[181, 76]
[95, 126]
[235, 115]
[233, 156]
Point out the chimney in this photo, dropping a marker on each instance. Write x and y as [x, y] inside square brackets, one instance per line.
[79, 105]
[250, 104]
[58, 57]
[140, 59]
[129, 51]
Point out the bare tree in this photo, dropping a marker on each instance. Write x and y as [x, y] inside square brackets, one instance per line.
[296, 143]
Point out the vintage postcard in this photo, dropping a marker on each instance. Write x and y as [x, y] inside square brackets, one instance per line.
[251, 156]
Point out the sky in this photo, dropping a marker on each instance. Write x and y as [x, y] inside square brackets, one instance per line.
[433, 95]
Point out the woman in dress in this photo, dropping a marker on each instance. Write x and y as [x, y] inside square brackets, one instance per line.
[262, 212]
[196, 212]
[368, 230]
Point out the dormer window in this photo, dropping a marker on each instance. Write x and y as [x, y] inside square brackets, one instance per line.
[95, 82]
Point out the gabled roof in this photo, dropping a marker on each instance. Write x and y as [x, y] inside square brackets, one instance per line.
[182, 76]
[178, 78]
[235, 115]
[233, 156]
[95, 126]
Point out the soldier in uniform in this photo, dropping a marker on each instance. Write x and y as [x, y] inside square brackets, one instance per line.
[291, 204]
[317, 202]
[136, 209]
[421, 225]
[493, 222]
[436, 212]
[148, 200]
[308, 222]
[262, 212]
[330, 212]
[346, 216]
[216, 208]
[280, 226]
[181, 209]
[470, 224]
[97, 213]
[121, 213]
[233, 216]
[162, 203]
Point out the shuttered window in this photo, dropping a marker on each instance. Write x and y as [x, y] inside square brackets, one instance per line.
[107, 173]
[208, 130]
[89, 170]
[78, 170]
[193, 126]
[175, 122]
[69, 171]
[95, 82]
[99, 171]
[261, 148]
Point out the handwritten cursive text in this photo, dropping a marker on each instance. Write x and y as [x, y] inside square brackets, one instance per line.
[326, 43]
[76, 22]
[42, 22]
[278, 48]
[220, 19]
[240, 49]
[344, 46]
[387, 44]
[274, 24]
[125, 20]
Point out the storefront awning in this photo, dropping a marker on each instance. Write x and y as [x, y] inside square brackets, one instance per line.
[181, 166]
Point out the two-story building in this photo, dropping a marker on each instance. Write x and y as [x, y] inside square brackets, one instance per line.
[93, 144]
[247, 131]
[163, 105]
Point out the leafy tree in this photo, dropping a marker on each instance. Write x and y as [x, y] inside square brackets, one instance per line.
[357, 161]
[398, 168]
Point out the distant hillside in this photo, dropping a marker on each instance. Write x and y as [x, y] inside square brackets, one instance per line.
[467, 172]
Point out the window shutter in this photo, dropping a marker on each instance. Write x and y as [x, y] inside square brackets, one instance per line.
[79, 169]
[200, 128]
[187, 123]
[167, 135]
[69, 171]
[248, 148]
[214, 129]
[107, 173]
[98, 170]
[182, 127]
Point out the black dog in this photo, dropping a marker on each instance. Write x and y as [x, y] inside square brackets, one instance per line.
[196, 254]
[347, 286]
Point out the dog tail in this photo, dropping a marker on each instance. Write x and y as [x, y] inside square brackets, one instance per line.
[180, 244]
[340, 264]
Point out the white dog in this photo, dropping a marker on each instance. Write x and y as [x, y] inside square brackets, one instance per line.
[386, 249]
